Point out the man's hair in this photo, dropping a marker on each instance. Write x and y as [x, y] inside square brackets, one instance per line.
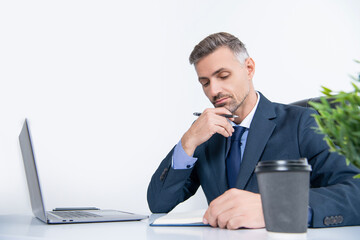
[216, 40]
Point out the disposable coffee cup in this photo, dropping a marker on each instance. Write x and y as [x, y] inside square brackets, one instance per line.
[284, 190]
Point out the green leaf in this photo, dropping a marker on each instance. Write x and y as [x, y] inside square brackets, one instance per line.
[341, 125]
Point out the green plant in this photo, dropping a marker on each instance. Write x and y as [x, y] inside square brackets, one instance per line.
[341, 125]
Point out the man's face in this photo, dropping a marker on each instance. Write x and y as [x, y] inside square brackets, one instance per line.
[225, 81]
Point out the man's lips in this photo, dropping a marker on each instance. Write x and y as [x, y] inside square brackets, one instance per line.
[221, 100]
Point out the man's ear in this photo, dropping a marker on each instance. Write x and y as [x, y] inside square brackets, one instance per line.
[250, 66]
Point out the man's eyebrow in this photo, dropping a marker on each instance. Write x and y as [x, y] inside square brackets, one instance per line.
[213, 74]
[217, 71]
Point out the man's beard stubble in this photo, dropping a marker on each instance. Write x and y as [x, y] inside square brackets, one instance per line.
[233, 105]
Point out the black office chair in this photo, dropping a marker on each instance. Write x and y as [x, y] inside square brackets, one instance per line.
[305, 102]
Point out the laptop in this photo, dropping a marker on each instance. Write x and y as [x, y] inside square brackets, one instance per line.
[61, 215]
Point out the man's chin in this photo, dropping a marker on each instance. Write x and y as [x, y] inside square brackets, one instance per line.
[231, 108]
[224, 106]
[220, 105]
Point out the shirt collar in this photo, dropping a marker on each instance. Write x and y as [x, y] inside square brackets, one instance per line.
[248, 119]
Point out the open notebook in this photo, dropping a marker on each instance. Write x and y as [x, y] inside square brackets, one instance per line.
[193, 218]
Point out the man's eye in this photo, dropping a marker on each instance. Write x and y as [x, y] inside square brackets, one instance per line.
[204, 84]
[224, 76]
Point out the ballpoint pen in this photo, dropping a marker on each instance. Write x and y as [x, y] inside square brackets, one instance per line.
[223, 115]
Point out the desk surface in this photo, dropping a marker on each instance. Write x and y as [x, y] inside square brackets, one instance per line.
[28, 227]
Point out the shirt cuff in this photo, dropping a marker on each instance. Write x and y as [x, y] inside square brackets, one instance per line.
[310, 213]
[180, 159]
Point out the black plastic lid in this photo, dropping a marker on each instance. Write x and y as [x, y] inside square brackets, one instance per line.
[283, 165]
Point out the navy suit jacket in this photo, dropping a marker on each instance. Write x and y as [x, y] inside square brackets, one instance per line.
[277, 131]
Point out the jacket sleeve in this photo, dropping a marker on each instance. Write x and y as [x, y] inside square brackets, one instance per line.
[169, 187]
[334, 193]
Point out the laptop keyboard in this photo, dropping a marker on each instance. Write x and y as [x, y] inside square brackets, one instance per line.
[75, 214]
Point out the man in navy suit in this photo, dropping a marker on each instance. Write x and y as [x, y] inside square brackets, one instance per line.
[272, 131]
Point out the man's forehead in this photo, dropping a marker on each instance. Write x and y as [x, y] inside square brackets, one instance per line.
[215, 61]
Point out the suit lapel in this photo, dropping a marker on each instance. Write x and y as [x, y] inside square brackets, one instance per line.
[260, 131]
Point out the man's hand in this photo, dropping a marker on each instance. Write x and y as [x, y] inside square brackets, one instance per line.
[235, 209]
[209, 123]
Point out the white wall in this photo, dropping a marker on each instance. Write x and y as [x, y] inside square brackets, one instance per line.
[108, 89]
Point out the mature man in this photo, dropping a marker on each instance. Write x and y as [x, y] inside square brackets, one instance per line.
[206, 154]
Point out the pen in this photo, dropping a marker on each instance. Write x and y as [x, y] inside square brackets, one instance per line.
[223, 115]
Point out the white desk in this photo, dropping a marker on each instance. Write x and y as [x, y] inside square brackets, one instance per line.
[28, 227]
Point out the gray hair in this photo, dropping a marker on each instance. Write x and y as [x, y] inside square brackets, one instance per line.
[216, 40]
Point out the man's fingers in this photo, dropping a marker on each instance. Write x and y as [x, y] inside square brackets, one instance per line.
[204, 127]
[205, 217]
[224, 123]
[221, 130]
[223, 218]
[217, 208]
[213, 117]
[235, 223]
[234, 209]
[216, 124]
[219, 110]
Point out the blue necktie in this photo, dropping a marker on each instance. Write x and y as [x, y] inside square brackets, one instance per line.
[233, 159]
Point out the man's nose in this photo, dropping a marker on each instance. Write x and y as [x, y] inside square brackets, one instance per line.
[214, 88]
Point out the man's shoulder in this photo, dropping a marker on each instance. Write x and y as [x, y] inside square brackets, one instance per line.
[287, 113]
[275, 109]
[292, 109]
[283, 108]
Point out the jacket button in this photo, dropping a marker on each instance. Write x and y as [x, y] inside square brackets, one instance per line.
[333, 220]
[339, 219]
[327, 221]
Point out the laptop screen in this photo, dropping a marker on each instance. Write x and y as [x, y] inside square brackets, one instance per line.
[31, 173]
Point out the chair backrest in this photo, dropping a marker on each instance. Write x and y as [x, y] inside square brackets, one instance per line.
[305, 102]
